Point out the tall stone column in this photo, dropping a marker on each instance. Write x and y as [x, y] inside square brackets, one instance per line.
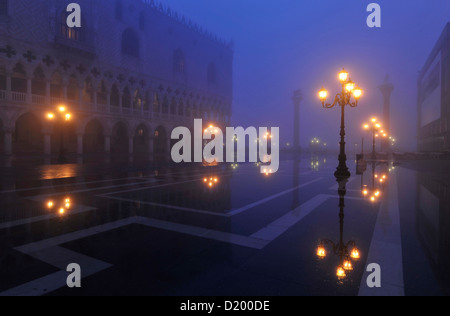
[386, 90]
[47, 144]
[80, 144]
[297, 98]
[8, 143]
[107, 144]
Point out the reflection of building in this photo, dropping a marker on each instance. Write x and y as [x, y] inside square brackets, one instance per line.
[129, 75]
[433, 222]
[434, 98]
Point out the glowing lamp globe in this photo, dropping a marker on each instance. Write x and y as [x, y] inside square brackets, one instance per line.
[343, 76]
[321, 252]
[357, 93]
[323, 94]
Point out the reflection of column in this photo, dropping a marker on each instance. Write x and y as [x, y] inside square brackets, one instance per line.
[8, 143]
[107, 144]
[131, 145]
[297, 98]
[386, 90]
[47, 144]
[296, 183]
[79, 144]
[150, 145]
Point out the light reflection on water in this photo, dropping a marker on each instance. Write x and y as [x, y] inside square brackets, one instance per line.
[57, 171]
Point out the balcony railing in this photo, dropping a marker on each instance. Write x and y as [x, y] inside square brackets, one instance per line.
[24, 99]
[38, 99]
[18, 97]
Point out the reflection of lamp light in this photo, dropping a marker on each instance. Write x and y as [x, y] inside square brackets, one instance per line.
[348, 265]
[340, 272]
[355, 255]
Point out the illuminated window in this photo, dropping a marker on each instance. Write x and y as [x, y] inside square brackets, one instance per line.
[71, 33]
[3, 7]
[130, 43]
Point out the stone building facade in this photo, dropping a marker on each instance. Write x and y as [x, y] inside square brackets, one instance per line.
[128, 76]
[433, 100]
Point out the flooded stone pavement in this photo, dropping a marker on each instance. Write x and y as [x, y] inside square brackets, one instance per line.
[226, 230]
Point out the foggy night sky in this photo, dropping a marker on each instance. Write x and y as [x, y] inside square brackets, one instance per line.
[283, 45]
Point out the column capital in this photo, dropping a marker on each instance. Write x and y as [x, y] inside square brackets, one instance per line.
[297, 97]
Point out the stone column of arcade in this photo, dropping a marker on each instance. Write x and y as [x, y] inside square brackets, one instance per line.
[150, 147]
[80, 148]
[107, 148]
[130, 149]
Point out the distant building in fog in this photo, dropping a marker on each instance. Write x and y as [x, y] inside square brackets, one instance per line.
[434, 97]
[133, 72]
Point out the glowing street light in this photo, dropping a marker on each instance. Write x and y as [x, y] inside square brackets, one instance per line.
[342, 99]
[375, 127]
[64, 117]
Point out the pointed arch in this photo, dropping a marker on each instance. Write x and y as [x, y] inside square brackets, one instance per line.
[115, 96]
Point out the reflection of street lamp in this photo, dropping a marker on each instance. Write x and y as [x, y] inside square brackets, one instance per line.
[342, 99]
[342, 250]
[62, 207]
[63, 117]
[373, 193]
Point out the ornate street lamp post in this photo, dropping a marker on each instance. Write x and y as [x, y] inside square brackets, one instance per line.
[375, 127]
[64, 116]
[342, 99]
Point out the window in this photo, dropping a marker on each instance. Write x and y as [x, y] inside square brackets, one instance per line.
[71, 33]
[3, 7]
[178, 61]
[119, 10]
[212, 73]
[130, 43]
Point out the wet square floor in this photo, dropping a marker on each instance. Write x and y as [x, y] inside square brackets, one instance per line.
[226, 230]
